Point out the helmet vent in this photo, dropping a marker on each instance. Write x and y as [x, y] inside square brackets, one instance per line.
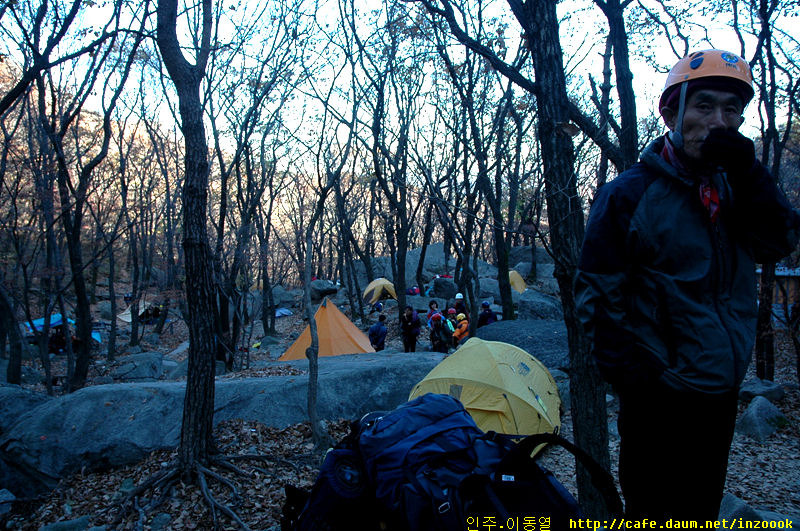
[696, 62]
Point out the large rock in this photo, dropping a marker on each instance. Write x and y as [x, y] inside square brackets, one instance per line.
[536, 305]
[761, 419]
[381, 268]
[523, 268]
[732, 508]
[444, 288]
[488, 287]
[486, 270]
[28, 375]
[113, 425]
[522, 253]
[282, 298]
[783, 521]
[15, 401]
[6, 498]
[179, 370]
[756, 387]
[434, 265]
[434, 262]
[544, 277]
[104, 310]
[180, 351]
[78, 524]
[321, 289]
[490, 290]
[138, 367]
[546, 340]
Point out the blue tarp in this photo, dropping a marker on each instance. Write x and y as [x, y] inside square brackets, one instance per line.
[57, 320]
[283, 312]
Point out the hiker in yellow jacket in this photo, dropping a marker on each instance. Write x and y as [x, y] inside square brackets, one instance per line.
[461, 333]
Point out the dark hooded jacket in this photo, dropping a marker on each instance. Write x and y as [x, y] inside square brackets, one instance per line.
[666, 293]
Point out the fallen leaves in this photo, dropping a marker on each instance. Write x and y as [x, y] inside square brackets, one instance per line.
[288, 459]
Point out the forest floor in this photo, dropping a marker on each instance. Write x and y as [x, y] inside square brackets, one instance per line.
[765, 475]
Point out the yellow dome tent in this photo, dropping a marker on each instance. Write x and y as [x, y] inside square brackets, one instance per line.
[337, 335]
[517, 282]
[377, 288]
[504, 388]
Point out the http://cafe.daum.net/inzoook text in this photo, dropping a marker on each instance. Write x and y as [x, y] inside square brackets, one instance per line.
[534, 523]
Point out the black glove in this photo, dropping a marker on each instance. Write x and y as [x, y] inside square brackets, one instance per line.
[730, 150]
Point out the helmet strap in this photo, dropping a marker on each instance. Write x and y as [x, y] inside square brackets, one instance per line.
[676, 136]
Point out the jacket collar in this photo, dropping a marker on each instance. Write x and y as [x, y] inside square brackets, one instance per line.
[652, 158]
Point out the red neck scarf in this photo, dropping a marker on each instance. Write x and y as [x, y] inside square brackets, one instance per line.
[708, 193]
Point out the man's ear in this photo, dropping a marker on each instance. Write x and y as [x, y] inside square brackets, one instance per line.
[669, 116]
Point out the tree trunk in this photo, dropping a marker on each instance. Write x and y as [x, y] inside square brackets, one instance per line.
[71, 219]
[198, 407]
[566, 222]
[794, 333]
[426, 240]
[135, 288]
[765, 334]
[10, 328]
[628, 137]
[312, 352]
[319, 436]
[112, 296]
[503, 269]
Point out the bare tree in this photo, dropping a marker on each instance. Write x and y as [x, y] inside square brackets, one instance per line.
[540, 25]
[198, 411]
[39, 28]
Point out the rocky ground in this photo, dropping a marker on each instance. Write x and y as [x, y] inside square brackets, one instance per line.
[765, 475]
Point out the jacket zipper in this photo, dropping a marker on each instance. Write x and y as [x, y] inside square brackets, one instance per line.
[721, 283]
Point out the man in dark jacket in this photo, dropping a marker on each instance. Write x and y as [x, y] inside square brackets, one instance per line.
[409, 329]
[666, 287]
[377, 334]
[487, 316]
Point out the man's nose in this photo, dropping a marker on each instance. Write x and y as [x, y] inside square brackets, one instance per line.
[717, 118]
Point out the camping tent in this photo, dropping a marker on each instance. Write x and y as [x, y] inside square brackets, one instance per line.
[379, 288]
[146, 302]
[504, 388]
[337, 335]
[517, 282]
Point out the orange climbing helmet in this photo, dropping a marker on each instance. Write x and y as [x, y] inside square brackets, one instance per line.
[716, 69]
[725, 66]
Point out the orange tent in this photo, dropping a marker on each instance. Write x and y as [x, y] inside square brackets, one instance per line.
[337, 335]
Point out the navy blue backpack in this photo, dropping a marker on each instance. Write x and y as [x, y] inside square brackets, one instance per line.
[427, 466]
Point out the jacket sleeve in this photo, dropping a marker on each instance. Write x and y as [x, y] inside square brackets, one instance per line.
[764, 217]
[603, 278]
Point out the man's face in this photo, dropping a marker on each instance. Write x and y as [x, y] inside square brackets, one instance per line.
[705, 110]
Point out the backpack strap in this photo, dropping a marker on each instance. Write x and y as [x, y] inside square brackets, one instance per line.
[601, 479]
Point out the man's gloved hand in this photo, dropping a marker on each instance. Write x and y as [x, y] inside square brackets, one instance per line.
[730, 150]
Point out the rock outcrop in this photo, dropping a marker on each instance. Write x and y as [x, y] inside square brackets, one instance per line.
[118, 424]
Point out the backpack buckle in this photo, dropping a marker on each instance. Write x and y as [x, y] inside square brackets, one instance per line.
[443, 508]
